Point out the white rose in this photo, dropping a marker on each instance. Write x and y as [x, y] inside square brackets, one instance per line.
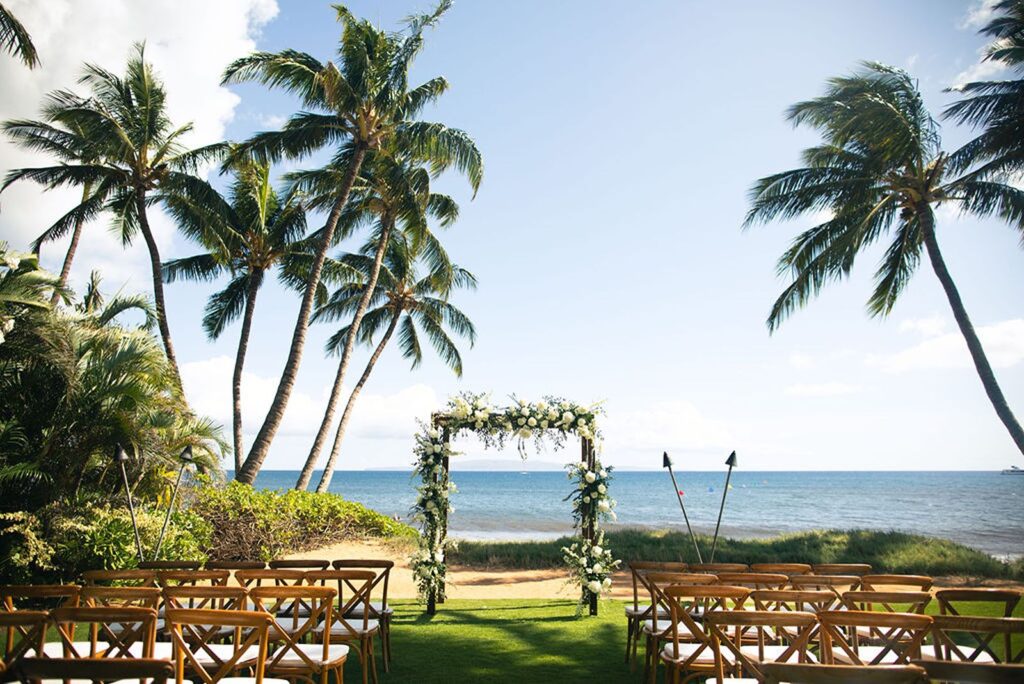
[582, 465]
[439, 556]
[525, 433]
[524, 411]
[590, 477]
[521, 421]
[567, 417]
[532, 422]
[478, 424]
[544, 424]
[478, 414]
[597, 551]
[434, 434]
[542, 406]
[594, 587]
[581, 422]
[13, 262]
[607, 582]
[601, 488]
[603, 506]
[552, 414]
[604, 473]
[586, 499]
[598, 569]
[565, 404]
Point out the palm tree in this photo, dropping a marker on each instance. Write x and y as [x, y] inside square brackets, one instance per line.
[14, 39]
[401, 301]
[360, 106]
[68, 147]
[140, 159]
[995, 106]
[879, 170]
[394, 191]
[247, 234]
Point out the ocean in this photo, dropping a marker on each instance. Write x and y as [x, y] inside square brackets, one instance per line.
[984, 510]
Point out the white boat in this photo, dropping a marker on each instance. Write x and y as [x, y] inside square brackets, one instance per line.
[1013, 470]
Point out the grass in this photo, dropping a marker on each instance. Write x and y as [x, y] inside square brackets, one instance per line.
[885, 551]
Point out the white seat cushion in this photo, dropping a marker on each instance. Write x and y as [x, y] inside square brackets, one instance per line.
[335, 653]
[380, 609]
[55, 649]
[118, 681]
[638, 611]
[928, 653]
[706, 657]
[664, 626]
[339, 630]
[867, 654]
[772, 652]
[165, 651]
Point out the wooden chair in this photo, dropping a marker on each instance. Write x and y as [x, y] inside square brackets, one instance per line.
[38, 596]
[783, 600]
[978, 639]
[235, 565]
[192, 578]
[888, 602]
[154, 670]
[209, 663]
[779, 637]
[204, 597]
[655, 627]
[952, 601]
[638, 612]
[139, 578]
[896, 582]
[292, 658]
[274, 578]
[859, 569]
[788, 569]
[837, 584]
[795, 673]
[299, 564]
[120, 597]
[900, 635]
[715, 568]
[688, 647]
[351, 622]
[972, 673]
[25, 634]
[380, 610]
[170, 565]
[754, 580]
[121, 632]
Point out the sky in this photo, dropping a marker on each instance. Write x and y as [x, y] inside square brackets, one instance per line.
[620, 142]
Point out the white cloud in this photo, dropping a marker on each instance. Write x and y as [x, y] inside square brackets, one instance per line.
[926, 327]
[801, 361]
[824, 389]
[189, 55]
[673, 425]
[982, 70]
[978, 14]
[376, 416]
[1003, 343]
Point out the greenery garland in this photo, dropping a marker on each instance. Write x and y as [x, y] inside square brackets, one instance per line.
[547, 422]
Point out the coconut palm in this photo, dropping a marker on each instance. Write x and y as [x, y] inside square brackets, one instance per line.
[361, 105]
[878, 172]
[402, 301]
[14, 39]
[995, 106]
[139, 158]
[247, 234]
[393, 192]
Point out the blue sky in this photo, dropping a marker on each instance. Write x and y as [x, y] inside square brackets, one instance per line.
[620, 142]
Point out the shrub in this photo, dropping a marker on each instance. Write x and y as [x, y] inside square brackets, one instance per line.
[255, 524]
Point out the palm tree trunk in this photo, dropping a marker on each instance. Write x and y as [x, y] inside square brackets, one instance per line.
[988, 378]
[255, 280]
[275, 414]
[76, 234]
[158, 285]
[325, 478]
[346, 354]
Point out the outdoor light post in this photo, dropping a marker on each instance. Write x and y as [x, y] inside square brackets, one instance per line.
[731, 462]
[186, 460]
[120, 457]
[667, 463]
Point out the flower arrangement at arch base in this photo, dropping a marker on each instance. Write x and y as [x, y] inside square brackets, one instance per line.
[547, 422]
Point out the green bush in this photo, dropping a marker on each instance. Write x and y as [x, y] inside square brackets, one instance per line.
[261, 524]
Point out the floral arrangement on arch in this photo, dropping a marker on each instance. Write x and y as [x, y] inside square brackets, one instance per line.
[548, 422]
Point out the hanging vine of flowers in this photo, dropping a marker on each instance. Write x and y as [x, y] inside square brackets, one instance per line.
[548, 422]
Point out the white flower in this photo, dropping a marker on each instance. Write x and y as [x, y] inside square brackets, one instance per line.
[544, 424]
[525, 433]
[565, 404]
[552, 414]
[603, 506]
[478, 415]
[590, 477]
[567, 417]
[607, 582]
[597, 550]
[524, 411]
[582, 465]
[532, 422]
[613, 515]
[603, 473]
[8, 325]
[478, 424]
[12, 262]
[434, 434]
[594, 587]
[437, 448]
[439, 556]
[586, 499]
[521, 421]
[601, 488]
[598, 569]
[542, 406]
[581, 422]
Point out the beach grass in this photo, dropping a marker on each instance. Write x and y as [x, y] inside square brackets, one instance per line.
[896, 552]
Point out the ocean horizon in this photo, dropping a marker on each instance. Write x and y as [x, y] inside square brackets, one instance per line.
[981, 509]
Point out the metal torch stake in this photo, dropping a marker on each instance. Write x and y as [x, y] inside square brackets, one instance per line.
[731, 462]
[121, 457]
[186, 458]
[666, 463]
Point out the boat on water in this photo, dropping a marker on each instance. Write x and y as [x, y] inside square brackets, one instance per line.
[1013, 470]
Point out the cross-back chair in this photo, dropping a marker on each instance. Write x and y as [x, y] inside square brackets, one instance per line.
[837, 584]
[689, 648]
[152, 670]
[102, 596]
[972, 673]
[858, 569]
[656, 625]
[25, 634]
[380, 610]
[978, 639]
[893, 582]
[638, 611]
[292, 658]
[192, 578]
[965, 601]
[170, 565]
[351, 621]
[754, 580]
[38, 596]
[204, 597]
[787, 569]
[714, 568]
[299, 564]
[114, 632]
[888, 602]
[132, 577]
[192, 631]
[235, 565]
[899, 634]
[744, 640]
[796, 673]
[270, 577]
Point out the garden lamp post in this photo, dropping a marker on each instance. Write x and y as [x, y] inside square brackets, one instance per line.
[731, 462]
[186, 460]
[666, 462]
[120, 457]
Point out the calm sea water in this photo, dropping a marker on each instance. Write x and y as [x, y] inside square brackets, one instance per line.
[980, 509]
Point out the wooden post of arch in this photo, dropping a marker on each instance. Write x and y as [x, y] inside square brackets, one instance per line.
[587, 456]
[442, 478]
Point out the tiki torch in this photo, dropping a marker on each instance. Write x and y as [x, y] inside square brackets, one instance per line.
[120, 457]
[731, 462]
[667, 463]
[186, 460]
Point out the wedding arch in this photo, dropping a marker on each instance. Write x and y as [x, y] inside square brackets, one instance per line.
[551, 420]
